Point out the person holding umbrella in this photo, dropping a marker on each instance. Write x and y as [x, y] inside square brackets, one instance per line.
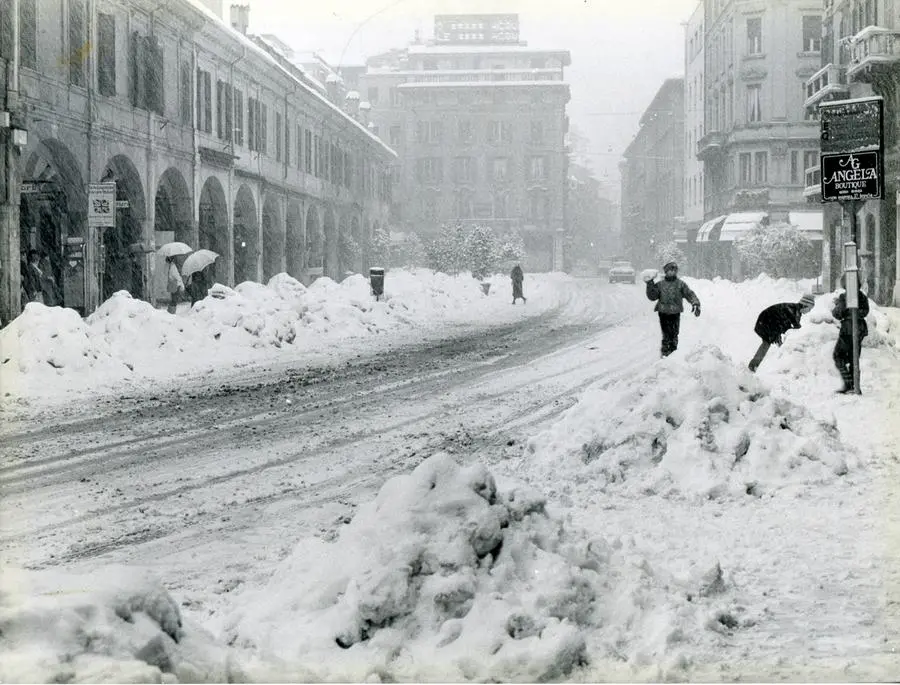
[174, 285]
[195, 270]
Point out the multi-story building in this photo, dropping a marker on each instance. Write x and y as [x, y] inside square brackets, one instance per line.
[478, 119]
[653, 176]
[758, 139]
[210, 138]
[694, 68]
[861, 58]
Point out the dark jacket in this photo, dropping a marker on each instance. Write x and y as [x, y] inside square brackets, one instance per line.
[842, 314]
[516, 274]
[670, 294]
[775, 321]
[31, 279]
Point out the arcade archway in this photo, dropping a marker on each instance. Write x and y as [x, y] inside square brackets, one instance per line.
[315, 245]
[123, 265]
[246, 231]
[293, 249]
[214, 226]
[273, 238]
[332, 258]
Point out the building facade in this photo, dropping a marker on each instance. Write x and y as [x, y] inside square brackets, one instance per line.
[861, 58]
[694, 69]
[758, 138]
[478, 120]
[653, 176]
[210, 139]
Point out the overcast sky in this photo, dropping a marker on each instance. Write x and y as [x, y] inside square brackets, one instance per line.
[622, 50]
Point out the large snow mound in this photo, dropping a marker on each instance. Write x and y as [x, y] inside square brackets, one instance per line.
[116, 626]
[444, 578]
[692, 426]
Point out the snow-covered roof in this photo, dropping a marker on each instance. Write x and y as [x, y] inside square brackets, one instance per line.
[481, 84]
[365, 105]
[352, 95]
[481, 49]
[261, 53]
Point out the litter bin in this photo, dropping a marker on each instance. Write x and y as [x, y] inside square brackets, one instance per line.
[376, 280]
[486, 288]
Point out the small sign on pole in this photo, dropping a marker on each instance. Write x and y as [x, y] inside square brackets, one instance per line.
[102, 204]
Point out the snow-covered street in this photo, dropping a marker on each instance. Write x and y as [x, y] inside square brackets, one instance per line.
[305, 484]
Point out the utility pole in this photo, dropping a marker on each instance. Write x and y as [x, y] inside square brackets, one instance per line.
[12, 135]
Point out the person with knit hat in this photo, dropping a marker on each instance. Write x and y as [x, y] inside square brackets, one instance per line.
[669, 291]
[776, 320]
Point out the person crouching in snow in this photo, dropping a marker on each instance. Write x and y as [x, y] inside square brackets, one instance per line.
[773, 322]
[174, 285]
[517, 277]
[669, 292]
[843, 348]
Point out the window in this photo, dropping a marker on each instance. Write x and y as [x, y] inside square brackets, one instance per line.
[745, 162]
[465, 205]
[298, 136]
[754, 35]
[500, 169]
[812, 34]
[224, 111]
[500, 209]
[373, 95]
[810, 159]
[538, 63]
[257, 130]
[27, 32]
[186, 94]
[395, 135]
[754, 107]
[761, 166]
[499, 131]
[78, 46]
[204, 101]
[464, 170]
[396, 97]
[287, 142]
[465, 132]
[279, 133]
[308, 152]
[431, 132]
[106, 54]
[429, 170]
[154, 76]
[538, 168]
[429, 65]
[238, 109]
[537, 132]
[538, 208]
[796, 171]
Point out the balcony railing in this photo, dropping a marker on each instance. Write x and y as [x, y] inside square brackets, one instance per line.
[874, 46]
[813, 185]
[710, 144]
[828, 81]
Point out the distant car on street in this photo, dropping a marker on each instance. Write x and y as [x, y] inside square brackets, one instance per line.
[621, 272]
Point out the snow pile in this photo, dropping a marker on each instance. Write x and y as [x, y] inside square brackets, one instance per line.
[444, 578]
[125, 628]
[690, 426]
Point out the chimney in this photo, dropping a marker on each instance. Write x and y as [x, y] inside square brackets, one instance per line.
[351, 104]
[240, 18]
[364, 109]
[333, 88]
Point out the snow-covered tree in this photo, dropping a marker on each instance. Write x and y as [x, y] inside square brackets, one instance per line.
[465, 248]
[411, 252]
[779, 250]
[380, 252]
[669, 252]
[512, 247]
[349, 251]
[482, 251]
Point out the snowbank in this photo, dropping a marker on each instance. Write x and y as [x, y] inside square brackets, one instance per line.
[445, 578]
[692, 426]
[116, 626]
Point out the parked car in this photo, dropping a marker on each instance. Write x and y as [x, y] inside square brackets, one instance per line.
[621, 272]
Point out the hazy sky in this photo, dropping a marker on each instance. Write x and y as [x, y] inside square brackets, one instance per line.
[622, 50]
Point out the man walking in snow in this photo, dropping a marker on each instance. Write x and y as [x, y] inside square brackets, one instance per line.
[517, 277]
[843, 348]
[669, 292]
[174, 285]
[774, 321]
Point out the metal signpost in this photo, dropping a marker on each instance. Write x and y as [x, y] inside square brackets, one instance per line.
[101, 214]
[852, 164]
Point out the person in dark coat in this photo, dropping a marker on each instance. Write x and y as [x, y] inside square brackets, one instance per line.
[774, 321]
[669, 292]
[517, 277]
[32, 277]
[843, 348]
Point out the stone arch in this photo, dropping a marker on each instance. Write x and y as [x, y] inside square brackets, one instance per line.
[314, 245]
[330, 230]
[293, 241]
[273, 237]
[53, 209]
[173, 206]
[123, 266]
[347, 249]
[246, 236]
[213, 228]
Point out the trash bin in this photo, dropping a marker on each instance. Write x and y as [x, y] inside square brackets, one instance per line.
[376, 280]
[486, 288]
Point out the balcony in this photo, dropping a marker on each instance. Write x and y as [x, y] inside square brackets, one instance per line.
[813, 185]
[872, 49]
[827, 83]
[713, 143]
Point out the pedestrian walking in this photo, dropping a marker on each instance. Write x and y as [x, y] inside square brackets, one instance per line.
[49, 288]
[669, 292]
[517, 277]
[174, 285]
[32, 277]
[843, 348]
[197, 287]
[776, 320]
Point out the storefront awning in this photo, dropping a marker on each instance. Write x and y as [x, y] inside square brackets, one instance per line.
[809, 223]
[738, 224]
[703, 235]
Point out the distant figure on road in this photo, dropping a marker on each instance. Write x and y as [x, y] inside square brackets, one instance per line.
[174, 285]
[843, 348]
[773, 322]
[517, 277]
[669, 291]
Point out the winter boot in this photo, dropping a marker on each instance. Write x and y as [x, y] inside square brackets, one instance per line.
[847, 377]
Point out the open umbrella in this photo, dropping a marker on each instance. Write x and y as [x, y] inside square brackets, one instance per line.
[174, 249]
[198, 261]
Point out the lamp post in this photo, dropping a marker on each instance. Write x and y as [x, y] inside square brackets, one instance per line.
[851, 281]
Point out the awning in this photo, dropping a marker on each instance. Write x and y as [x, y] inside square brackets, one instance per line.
[704, 232]
[809, 223]
[740, 223]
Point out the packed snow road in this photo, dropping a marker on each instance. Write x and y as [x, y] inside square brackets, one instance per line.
[168, 479]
